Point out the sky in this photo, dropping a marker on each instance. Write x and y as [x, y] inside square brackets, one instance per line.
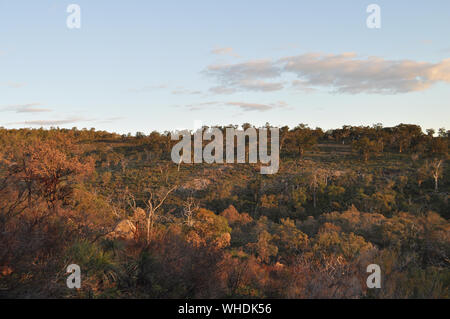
[140, 65]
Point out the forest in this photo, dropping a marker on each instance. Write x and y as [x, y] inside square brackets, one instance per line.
[141, 226]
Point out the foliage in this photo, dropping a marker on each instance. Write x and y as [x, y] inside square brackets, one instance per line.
[139, 226]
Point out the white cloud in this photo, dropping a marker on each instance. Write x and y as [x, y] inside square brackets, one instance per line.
[256, 106]
[255, 69]
[346, 73]
[247, 85]
[110, 119]
[176, 91]
[26, 108]
[342, 73]
[199, 106]
[49, 122]
[302, 86]
[259, 85]
[182, 91]
[225, 51]
[149, 88]
[13, 85]
[245, 106]
[67, 120]
[222, 90]
[248, 76]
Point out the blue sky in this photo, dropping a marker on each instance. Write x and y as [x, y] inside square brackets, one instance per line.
[158, 65]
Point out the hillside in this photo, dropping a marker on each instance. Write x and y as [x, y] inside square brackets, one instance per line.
[139, 225]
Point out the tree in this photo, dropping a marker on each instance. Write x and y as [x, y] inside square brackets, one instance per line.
[304, 138]
[284, 134]
[190, 208]
[422, 173]
[431, 132]
[317, 177]
[152, 205]
[438, 146]
[150, 214]
[366, 147]
[209, 230]
[442, 132]
[263, 247]
[48, 169]
[404, 134]
[436, 171]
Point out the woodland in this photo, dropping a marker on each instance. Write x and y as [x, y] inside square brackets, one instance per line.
[141, 226]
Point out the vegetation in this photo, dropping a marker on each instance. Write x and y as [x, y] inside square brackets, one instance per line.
[141, 226]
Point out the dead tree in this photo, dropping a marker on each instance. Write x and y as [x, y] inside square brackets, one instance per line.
[436, 172]
[190, 208]
[152, 205]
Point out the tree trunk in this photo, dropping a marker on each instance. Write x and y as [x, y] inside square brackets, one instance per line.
[314, 198]
[366, 157]
[301, 151]
[148, 229]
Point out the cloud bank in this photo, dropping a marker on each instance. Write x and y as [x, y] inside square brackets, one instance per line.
[342, 73]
